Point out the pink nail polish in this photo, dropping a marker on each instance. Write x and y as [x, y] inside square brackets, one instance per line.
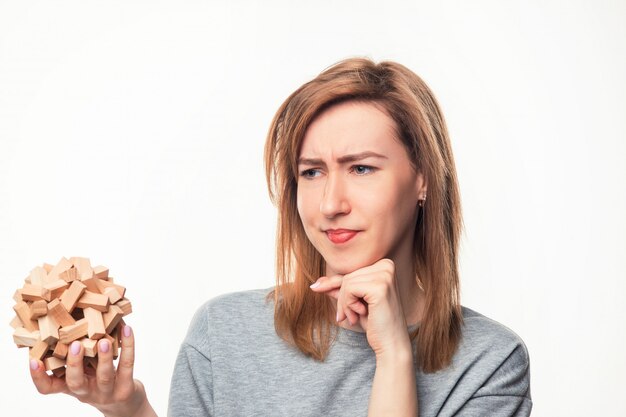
[127, 331]
[337, 318]
[315, 284]
[75, 347]
[104, 346]
[34, 365]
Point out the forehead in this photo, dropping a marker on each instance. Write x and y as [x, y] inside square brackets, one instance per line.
[350, 127]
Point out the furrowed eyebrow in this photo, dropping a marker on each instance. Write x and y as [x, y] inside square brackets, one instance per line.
[342, 160]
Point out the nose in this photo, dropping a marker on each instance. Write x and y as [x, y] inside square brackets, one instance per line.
[334, 201]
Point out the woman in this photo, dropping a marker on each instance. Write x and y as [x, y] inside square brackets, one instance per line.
[365, 317]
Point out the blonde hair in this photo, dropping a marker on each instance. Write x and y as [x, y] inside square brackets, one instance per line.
[304, 318]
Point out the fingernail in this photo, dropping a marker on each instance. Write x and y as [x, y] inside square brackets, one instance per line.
[75, 347]
[104, 346]
[34, 365]
[337, 318]
[315, 284]
[127, 331]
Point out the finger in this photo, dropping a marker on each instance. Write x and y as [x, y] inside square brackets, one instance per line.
[105, 373]
[74, 374]
[353, 318]
[358, 306]
[127, 358]
[324, 284]
[45, 383]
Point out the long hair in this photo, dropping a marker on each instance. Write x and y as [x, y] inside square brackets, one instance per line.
[304, 318]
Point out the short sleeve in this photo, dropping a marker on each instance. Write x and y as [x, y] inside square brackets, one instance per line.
[506, 393]
[191, 390]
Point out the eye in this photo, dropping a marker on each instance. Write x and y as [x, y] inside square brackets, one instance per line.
[362, 169]
[310, 173]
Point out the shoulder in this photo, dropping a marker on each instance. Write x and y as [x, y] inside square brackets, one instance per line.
[494, 356]
[482, 332]
[228, 314]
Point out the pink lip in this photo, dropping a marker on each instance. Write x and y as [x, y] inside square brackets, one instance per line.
[340, 235]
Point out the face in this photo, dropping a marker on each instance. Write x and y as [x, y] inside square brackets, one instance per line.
[357, 190]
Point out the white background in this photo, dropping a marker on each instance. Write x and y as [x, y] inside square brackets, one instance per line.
[131, 132]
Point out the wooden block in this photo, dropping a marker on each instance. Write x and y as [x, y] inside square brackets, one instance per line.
[89, 362]
[115, 343]
[103, 285]
[59, 313]
[47, 267]
[125, 305]
[63, 265]
[60, 350]
[71, 296]
[113, 294]
[17, 296]
[68, 334]
[112, 318]
[90, 347]
[49, 329]
[38, 308]
[69, 275]
[101, 272]
[59, 372]
[53, 363]
[56, 288]
[23, 337]
[16, 322]
[83, 266]
[23, 313]
[94, 300]
[38, 350]
[33, 292]
[91, 284]
[38, 276]
[95, 327]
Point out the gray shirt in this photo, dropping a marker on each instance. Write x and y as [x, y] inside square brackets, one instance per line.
[232, 363]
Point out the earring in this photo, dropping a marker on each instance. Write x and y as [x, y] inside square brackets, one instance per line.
[422, 200]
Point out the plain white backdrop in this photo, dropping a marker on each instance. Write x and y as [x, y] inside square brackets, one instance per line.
[131, 132]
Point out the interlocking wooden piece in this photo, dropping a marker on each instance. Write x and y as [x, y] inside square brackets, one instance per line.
[60, 350]
[23, 337]
[83, 265]
[56, 288]
[38, 308]
[95, 328]
[112, 318]
[16, 322]
[103, 285]
[17, 296]
[47, 267]
[49, 329]
[38, 350]
[113, 294]
[68, 334]
[53, 363]
[125, 305]
[38, 276]
[32, 292]
[63, 265]
[94, 300]
[59, 313]
[101, 272]
[72, 294]
[69, 275]
[90, 347]
[59, 372]
[23, 313]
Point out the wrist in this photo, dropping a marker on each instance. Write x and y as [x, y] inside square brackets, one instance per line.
[399, 355]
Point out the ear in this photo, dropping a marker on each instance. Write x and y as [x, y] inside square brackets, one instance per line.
[421, 186]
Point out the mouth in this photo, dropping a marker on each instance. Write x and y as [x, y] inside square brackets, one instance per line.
[339, 236]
